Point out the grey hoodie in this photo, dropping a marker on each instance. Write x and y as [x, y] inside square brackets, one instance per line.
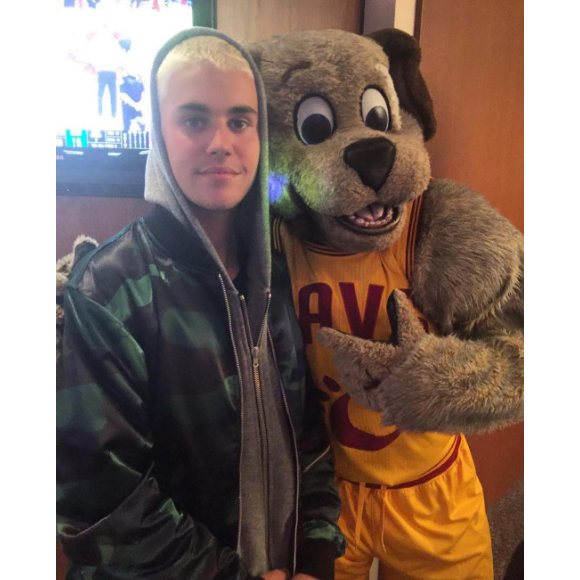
[267, 470]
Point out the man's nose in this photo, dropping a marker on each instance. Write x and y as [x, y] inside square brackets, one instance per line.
[221, 141]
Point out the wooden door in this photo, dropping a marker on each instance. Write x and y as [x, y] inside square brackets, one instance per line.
[61, 563]
[473, 62]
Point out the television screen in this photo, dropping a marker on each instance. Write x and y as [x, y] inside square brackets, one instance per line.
[106, 50]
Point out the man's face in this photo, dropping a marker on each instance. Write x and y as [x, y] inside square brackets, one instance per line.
[209, 122]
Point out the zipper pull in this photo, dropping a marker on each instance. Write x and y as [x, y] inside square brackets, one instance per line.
[255, 352]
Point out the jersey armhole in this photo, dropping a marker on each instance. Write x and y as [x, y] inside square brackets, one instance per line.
[414, 216]
[277, 243]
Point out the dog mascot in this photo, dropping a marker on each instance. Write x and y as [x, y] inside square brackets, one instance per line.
[409, 293]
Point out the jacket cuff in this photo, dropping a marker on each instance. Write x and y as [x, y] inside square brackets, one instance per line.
[316, 558]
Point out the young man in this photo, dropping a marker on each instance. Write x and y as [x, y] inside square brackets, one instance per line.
[188, 446]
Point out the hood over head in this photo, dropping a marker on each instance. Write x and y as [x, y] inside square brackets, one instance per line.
[252, 215]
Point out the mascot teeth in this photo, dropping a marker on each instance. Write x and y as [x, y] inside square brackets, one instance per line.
[377, 210]
[372, 216]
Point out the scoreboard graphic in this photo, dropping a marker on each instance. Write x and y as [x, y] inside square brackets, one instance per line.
[106, 139]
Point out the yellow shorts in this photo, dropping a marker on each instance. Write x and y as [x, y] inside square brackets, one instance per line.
[432, 529]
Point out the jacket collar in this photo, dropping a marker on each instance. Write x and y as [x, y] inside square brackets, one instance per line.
[180, 243]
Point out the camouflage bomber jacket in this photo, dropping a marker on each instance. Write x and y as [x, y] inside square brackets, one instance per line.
[141, 407]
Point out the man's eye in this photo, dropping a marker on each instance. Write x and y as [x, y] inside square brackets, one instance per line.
[195, 122]
[239, 124]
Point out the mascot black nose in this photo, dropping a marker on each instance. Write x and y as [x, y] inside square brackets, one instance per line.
[372, 159]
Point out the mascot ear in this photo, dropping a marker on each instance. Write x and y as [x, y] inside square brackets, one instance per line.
[255, 51]
[404, 56]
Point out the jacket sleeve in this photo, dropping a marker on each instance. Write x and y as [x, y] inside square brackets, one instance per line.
[112, 519]
[321, 541]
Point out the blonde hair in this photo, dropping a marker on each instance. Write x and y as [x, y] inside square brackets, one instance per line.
[197, 49]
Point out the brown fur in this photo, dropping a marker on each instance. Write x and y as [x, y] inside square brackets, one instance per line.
[468, 270]
[469, 259]
[405, 56]
[82, 245]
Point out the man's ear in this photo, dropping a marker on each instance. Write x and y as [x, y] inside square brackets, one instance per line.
[404, 55]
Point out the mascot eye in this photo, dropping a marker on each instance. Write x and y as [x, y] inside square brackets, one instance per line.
[375, 110]
[314, 120]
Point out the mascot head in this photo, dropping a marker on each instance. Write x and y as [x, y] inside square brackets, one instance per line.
[348, 119]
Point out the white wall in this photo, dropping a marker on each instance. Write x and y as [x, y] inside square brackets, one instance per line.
[405, 15]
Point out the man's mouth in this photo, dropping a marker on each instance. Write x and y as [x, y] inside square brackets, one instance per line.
[219, 170]
[374, 219]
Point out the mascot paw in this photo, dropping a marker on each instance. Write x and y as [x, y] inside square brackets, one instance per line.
[361, 364]
[365, 364]
[406, 328]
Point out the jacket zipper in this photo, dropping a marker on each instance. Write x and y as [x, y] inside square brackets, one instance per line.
[255, 350]
[255, 365]
[296, 457]
[241, 411]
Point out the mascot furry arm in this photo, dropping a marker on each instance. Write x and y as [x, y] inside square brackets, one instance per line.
[468, 281]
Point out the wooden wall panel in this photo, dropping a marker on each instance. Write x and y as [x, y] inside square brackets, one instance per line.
[61, 563]
[473, 63]
[250, 20]
[98, 217]
[499, 459]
